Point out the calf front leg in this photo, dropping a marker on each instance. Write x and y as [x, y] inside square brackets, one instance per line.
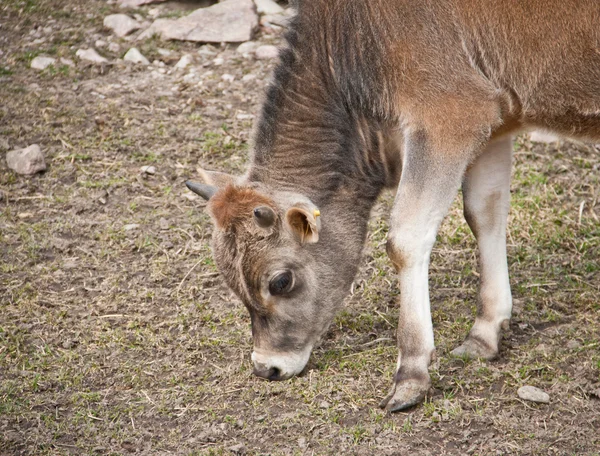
[486, 193]
[427, 187]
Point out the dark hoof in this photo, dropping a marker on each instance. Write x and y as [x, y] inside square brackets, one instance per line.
[405, 394]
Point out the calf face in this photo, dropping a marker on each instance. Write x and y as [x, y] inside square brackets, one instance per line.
[265, 246]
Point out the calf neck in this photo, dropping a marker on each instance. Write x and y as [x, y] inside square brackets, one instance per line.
[418, 95]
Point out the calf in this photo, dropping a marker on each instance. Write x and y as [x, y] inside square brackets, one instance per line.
[419, 95]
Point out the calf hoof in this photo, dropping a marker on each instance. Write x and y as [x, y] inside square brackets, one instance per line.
[473, 348]
[405, 394]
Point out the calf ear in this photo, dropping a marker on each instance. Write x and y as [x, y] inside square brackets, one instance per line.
[304, 222]
[212, 182]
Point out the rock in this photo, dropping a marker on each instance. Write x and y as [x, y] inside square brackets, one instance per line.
[26, 161]
[266, 52]
[573, 344]
[324, 405]
[543, 137]
[131, 227]
[243, 116]
[4, 144]
[135, 56]
[41, 62]
[90, 55]
[268, 7]
[100, 43]
[163, 223]
[280, 20]
[228, 77]
[184, 61]
[533, 394]
[114, 47]
[229, 21]
[67, 62]
[148, 170]
[121, 24]
[246, 48]
[248, 77]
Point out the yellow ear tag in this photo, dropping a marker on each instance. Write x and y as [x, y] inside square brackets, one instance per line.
[316, 213]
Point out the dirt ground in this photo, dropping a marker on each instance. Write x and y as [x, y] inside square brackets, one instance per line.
[117, 335]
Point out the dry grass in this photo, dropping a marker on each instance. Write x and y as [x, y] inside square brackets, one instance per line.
[117, 341]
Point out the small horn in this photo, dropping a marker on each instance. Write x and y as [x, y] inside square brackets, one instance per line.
[264, 216]
[205, 191]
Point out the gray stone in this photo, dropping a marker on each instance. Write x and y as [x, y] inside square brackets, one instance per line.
[121, 24]
[67, 62]
[131, 226]
[184, 61]
[135, 56]
[246, 48]
[266, 52]
[114, 47]
[268, 7]
[42, 62]
[26, 161]
[90, 55]
[148, 170]
[229, 21]
[533, 394]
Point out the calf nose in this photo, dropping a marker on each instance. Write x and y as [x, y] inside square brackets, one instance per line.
[270, 373]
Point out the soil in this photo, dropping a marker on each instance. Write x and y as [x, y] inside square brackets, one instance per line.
[117, 335]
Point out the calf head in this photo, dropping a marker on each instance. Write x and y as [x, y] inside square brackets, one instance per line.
[275, 253]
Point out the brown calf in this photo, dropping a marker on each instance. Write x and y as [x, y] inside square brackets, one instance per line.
[418, 94]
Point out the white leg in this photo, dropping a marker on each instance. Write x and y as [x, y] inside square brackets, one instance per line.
[486, 190]
[427, 187]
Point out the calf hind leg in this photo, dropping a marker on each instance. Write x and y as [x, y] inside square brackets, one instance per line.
[486, 192]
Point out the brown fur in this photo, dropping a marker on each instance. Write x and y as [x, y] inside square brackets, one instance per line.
[233, 205]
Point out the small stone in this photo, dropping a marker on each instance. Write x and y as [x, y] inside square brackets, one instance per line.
[247, 47]
[163, 223]
[164, 52]
[244, 116]
[573, 344]
[69, 343]
[100, 43]
[4, 144]
[42, 62]
[248, 77]
[90, 55]
[67, 62]
[230, 21]
[268, 7]
[324, 405]
[219, 61]
[184, 61]
[533, 394]
[114, 47]
[26, 161]
[148, 170]
[302, 442]
[131, 226]
[266, 52]
[228, 77]
[135, 56]
[240, 448]
[121, 24]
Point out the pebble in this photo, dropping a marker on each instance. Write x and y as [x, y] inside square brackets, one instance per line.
[533, 394]
[240, 448]
[228, 77]
[247, 47]
[114, 47]
[90, 55]
[100, 43]
[184, 61]
[67, 62]
[266, 52]
[131, 226]
[148, 170]
[26, 161]
[121, 24]
[573, 344]
[163, 223]
[42, 62]
[248, 77]
[135, 56]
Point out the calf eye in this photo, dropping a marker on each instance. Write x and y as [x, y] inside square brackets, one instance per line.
[282, 283]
